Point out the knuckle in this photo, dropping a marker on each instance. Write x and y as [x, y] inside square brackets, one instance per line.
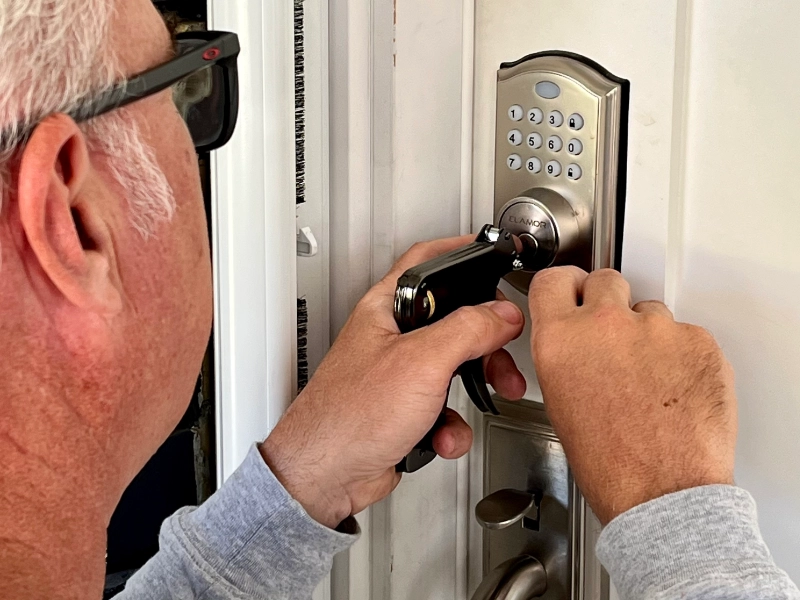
[654, 320]
[364, 307]
[608, 277]
[651, 304]
[606, 273]
[418, 252]
[551, 276]
[419, 248]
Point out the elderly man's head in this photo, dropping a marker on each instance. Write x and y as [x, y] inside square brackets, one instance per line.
[58, 55]
[105, 287]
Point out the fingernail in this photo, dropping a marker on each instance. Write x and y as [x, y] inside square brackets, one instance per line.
[508, 311]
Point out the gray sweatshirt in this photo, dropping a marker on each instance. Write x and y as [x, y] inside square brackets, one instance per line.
[252, 541]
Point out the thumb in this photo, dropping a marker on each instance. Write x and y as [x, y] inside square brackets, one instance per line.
[473, 331]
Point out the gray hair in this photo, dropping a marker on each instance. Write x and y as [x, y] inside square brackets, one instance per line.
[56, 53]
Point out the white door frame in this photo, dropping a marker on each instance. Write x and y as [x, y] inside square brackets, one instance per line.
[394, 71]
[253, 234]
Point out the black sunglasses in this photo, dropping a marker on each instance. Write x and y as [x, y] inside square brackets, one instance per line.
[206, 87]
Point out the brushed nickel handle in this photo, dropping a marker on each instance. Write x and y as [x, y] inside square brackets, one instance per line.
[520, 578]
[505, 507]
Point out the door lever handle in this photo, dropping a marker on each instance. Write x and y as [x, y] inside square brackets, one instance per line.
[520, 578]
[467, 276]
[505, 507]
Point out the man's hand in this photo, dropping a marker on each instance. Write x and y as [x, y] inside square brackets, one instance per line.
[377, 393]
[644, 406]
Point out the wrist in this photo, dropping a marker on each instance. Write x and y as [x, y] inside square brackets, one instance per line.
[307, 480]
[631, 494]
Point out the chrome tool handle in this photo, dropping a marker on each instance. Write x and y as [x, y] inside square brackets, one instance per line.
[467, 276]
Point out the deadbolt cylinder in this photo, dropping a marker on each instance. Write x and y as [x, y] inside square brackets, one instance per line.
[548, 227]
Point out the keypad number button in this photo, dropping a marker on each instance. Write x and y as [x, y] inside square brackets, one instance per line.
[533, 165]
[553, 168]
[535, 116]
[554, 143]
[575, 121]
[574, 172]
[534, 140]
[515, 113]
[515, 137]
[574, 147]
[514, 162]
[555, 118]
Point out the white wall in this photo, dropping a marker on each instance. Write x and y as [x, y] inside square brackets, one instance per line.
[741, 260]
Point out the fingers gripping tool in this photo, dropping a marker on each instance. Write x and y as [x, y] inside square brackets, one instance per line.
[467, 276]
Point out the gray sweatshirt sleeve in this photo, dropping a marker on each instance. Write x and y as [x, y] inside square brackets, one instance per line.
[250, 540]
[702, 543]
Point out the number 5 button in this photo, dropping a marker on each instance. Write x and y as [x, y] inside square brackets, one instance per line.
[534, 140]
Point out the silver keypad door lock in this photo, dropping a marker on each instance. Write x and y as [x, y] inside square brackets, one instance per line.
[560, 168]
[560, 157]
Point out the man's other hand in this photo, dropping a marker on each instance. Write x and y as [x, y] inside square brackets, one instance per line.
[644, 406]
[377, 393]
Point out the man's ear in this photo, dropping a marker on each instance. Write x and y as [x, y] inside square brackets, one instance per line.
[63, 224]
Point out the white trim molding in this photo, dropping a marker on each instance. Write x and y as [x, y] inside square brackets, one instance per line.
[253, 233]
[397, 176]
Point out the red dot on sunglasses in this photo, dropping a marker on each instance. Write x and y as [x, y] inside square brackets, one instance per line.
[211, 54]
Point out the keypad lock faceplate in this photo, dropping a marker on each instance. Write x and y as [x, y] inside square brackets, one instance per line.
[560, 137]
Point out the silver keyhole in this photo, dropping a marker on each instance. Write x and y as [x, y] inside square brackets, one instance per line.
[548, 227]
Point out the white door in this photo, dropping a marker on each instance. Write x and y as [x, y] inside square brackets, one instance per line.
[402, 103]
[711, 223]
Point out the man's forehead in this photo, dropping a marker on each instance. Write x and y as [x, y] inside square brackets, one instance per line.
[139, 36]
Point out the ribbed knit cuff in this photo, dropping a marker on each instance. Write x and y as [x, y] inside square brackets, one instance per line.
[688, 536]
[252, 527]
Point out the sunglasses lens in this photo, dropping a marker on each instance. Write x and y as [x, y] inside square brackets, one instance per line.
[201, 100]
[205, 101]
